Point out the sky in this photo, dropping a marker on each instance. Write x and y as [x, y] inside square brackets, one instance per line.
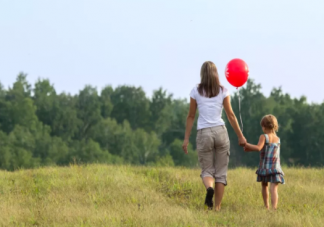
[163, 43]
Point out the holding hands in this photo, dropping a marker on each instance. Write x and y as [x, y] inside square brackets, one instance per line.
[250, 147]
[242, 141]
[247, 147]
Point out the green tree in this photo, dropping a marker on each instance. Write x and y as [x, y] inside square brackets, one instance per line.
[40, 127]
[116, 138]
[5, 124]
[20, 109]
[131, 104]
[144, 147]
[66, 123]
[105, 101]
[21, 145]
[179, 111]
[5, 152]
[305, 134]
[180, 158]
[88, 111]
[161, 112]
[88, 151]
[45, 100]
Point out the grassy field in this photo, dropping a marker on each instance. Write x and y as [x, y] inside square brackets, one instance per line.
[99, 195]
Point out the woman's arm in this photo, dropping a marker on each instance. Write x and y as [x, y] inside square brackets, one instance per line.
[233, 121]
[190, 121]
[250, 147]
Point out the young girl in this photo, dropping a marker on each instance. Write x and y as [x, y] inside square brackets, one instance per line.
[269, 167]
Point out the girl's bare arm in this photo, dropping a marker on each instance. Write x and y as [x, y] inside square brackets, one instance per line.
[250, 147]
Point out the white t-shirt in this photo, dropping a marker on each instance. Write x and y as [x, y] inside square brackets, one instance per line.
[210, 109]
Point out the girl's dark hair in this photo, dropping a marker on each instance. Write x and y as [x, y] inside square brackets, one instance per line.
[209, 85]
[270, 122]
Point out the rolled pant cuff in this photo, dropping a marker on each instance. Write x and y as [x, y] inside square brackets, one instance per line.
[203, 175]
[221, 180]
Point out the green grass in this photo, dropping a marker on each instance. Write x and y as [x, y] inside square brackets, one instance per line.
[100, 195]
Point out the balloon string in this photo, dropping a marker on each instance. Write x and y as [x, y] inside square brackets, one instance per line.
[239, 96]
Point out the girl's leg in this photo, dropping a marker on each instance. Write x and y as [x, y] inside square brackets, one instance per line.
[219, 192]
[265, 194]
[274, 195]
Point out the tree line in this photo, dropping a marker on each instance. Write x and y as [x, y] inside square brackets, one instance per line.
[40, 127]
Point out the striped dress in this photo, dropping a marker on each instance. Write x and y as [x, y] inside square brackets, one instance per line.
[269, 167]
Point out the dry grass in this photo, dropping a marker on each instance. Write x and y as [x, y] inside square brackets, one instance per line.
[99, 195]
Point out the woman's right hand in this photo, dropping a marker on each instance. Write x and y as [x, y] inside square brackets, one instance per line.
[242, 141]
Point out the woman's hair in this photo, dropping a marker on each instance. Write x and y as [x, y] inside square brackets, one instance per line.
[270, 122]
[209, 85]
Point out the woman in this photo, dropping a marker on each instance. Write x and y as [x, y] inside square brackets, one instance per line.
[213, 145]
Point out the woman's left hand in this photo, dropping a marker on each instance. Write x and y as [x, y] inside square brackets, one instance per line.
[185, 146]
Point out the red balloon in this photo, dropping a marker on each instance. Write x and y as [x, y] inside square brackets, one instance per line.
[237, 72]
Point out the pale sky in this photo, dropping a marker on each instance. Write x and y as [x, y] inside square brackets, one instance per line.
[152, 43]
